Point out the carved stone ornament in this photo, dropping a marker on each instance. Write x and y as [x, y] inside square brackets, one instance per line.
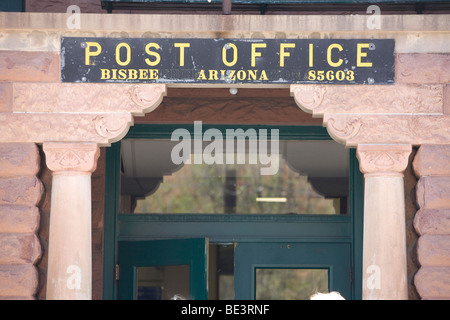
[308, 97]
[102, 129]
[383, 160]
[402, 98]
[378, 114]
[87, 97]
[66, 112]
[355, 129]
[71, 157]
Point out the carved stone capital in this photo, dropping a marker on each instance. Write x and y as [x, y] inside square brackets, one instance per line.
[383, 160]
[71, 158]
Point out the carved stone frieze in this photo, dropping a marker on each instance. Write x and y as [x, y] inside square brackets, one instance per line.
[422, 68]
[354, 129]
[67, 112]
[383, 160]
[412, 98]
[70, 127]
[71, 157]
[137, 99]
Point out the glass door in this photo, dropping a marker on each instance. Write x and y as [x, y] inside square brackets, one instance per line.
[304, 218]
[291, 270]
[163, 269]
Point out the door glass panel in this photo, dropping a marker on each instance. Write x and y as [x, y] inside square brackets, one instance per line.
[221, 272]
[305, 177]
[290, 284]
[163, 282]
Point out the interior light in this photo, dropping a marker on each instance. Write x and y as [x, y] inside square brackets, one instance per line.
[268, 199]
[233, 91]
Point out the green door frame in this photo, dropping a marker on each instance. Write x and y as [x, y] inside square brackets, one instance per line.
[334, 257]
[333, 229]
[190, 252]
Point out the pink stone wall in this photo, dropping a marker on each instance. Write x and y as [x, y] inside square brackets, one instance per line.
[432, 221]
[20, 194]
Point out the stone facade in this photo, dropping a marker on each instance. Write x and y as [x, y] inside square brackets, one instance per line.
[36, 108]
[21, 192]
[432, 221]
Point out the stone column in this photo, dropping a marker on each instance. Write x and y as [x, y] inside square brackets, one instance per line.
[69, 275]
[384, 247]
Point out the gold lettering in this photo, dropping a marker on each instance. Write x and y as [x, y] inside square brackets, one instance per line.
[88, 53]
[224, 54]
[132, 74]
[106, 74]
[201, 75]
[114, 74]
[254, 53]
[311, 55]
[182, 45]
[152, 53]
[154, 74]
[127, 54]
[241, 74]
[284, 54]
[360, 54]
[263, 75]
[252, 74]
[122, 74]
[330, 48]
[213, 75]
[143, 74]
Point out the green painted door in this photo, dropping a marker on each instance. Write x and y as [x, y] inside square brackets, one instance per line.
[291, 270]
[254, 250]
[163, 269]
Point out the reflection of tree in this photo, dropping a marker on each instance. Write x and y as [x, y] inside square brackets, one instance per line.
[290, 284]
[199, 188]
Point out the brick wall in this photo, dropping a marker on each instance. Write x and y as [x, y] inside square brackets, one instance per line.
[20, 194]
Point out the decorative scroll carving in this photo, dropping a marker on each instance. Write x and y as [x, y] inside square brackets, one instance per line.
[111, 126]
[392, 128]
[307, 97]
[147, 97]
[102, 129]
[360, 99]
[383, 160]
[87, 97]
[343, 130]
[72, 157]
[66, 112]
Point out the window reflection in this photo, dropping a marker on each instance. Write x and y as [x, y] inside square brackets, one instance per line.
[312, 178]
[290, 284]
[163, 282]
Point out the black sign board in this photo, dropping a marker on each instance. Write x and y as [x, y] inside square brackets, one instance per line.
[228, 61]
